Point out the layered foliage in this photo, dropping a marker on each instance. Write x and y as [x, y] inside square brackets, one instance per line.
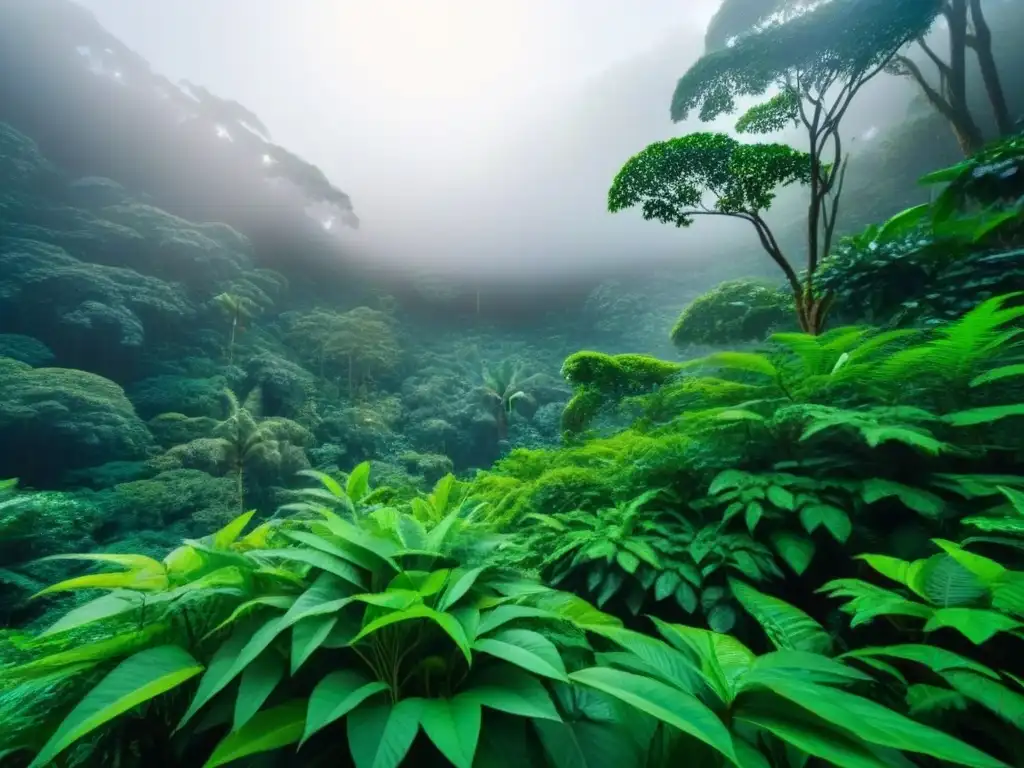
[734, 311]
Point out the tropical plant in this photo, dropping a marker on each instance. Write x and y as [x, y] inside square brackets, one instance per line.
[505, 389]
[643, 556]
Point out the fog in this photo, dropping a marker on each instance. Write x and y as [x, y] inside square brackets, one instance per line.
[474, 137]
[455, 125]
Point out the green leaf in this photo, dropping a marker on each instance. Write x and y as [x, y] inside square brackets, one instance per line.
[785, 625]
[335, 696]
[753, 515]
[138, 678]
[781, 497]
[258, 681]
[231, 658]
[445, 621]
[506, 613]
[459, 587]
[454, 727]
[879, 725]
[319, 559]
[809, 734]
[380, 735]
[308, 635]
[986, 415]
[627, 561]
[663, 702]
[103, 607]
[977, 625]
[509, 689]
[835, 520]
[995, 697]
[923, 699]
[998, 374]
[721, 618]
[268, 730]
[686, 597]
[936, 659]
[227, 535]
[922, 502]
[527, 649]
[666, 584]
[795, 549]
[358, 484]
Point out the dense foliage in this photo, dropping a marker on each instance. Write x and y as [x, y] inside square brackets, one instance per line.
[254, 527]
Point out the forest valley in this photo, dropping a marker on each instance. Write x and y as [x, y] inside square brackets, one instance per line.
[275, 545]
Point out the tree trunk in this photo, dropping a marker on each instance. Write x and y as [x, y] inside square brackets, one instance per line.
[231, 339]
[240, 485]
[981, 43]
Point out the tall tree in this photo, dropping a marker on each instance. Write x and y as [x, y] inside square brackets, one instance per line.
[818, 58]
[942, 78]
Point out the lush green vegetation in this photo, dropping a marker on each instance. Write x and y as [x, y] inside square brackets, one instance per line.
[251, 531]
[675, 589]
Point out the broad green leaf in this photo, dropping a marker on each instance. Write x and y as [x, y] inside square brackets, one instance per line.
[781, 497]
[785, 625]
[380, 735]
[509, 689]
[878, 724]
[753, 514]
[355, 555]
[229, 661]
[809, 734]
[984, 568]
[227, 535]
[994, 696]
[268, 730]
[923, 699]
[835, 520]
[458, 587]
[343, 569]
[663, 702]
[258, 681]
[335, 696]
[503, 614]
[923, 502]
[281, 602]
[997, 374]
[445, 621]
[668, 663]
[686, 597]
[454, 727]
[394, 598]
[666, 584]
[936, 659]
[138, 678]
[326, 480]
[795, 549]
[524, 648]
[985, 415]
[308, 635]
[976, 624]
[142, 581]
[104, 607]
[358, 484]
[129, 562]
[434, 582]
